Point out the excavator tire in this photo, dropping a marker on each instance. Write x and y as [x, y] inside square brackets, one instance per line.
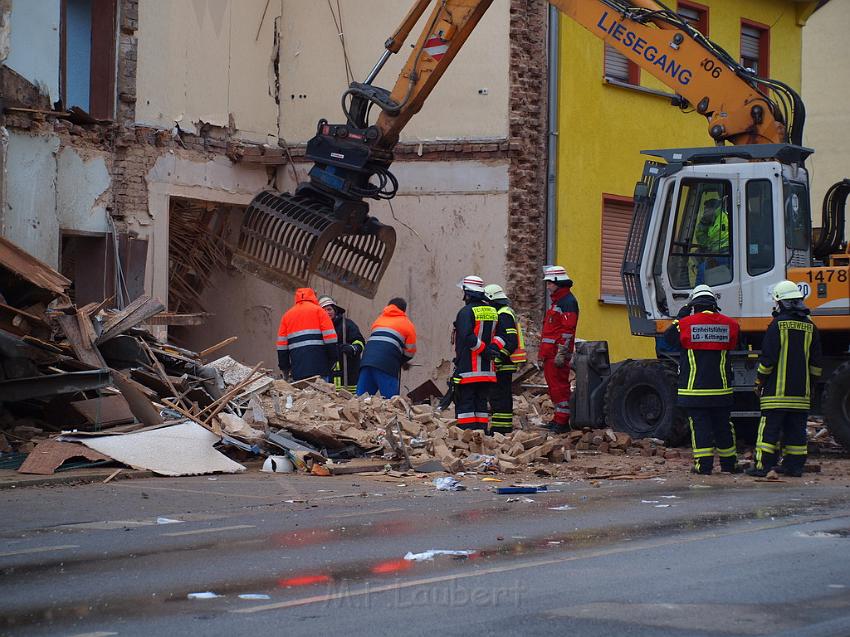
[836, 404]
[641, 401]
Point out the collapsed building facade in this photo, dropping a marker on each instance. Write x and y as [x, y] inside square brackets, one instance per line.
[137, 132]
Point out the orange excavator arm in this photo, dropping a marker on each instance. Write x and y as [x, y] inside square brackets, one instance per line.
[325, 228]
[737, 104]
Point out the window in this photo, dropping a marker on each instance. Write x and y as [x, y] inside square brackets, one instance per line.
[87, 56]
[701, 246]
[797, 217]
[755, 45]
[617, 213]
[760, 252]
[694, 14]
[619, 67]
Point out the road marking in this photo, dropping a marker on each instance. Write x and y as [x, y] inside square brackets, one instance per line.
[43, 549]
[227, 495]
[357, 513]
[216, 530]
[369, 590]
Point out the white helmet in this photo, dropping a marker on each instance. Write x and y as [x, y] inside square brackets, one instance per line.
[494, 292]
[277, 464]
[472, 283]
[786, 291]
[702, 291]
[555, 273]
[325, 301]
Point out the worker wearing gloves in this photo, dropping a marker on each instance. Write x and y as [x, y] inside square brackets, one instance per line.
[391, 345]
[474, 373]
[705, 375]
[350, 346]
[788, 366]
[557, 343]
[306, 339]
[506, 351]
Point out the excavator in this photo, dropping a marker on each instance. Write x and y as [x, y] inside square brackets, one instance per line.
[754, 174]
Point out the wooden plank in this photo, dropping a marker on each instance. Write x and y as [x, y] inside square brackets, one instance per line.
[104, 411]
[86, 354]
[172, 318]
[214, 348]
[137, 312]
[134, 393]
[33, 270]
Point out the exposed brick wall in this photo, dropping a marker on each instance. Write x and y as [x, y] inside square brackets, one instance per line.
[528, 127]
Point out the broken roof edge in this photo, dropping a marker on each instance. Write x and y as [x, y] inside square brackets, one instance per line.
[23, 264]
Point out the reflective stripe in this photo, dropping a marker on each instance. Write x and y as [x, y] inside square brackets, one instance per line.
[387, 339]
[726, 453]
[796, 450]
[807, 345]
[703, 452]
[723, 369]
[306, 344]
[759, 438]
[303, 333]
[282, 348]
[692, 372]
[815, 371]
[326, 332]
[795, 403]
[765, 370]
[500, 342]
[705, 392]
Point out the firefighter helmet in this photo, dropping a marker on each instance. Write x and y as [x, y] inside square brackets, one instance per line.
[555, 273]
[786, 291]
[494, 292]
[325, 301]
[472, 283]
[703, 292]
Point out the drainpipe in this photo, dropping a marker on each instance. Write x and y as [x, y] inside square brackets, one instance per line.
[552, 152]
[552, 142]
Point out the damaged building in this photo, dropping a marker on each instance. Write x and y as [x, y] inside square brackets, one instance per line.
[137, 132]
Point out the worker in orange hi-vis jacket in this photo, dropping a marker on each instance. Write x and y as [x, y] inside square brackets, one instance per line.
[306, 339]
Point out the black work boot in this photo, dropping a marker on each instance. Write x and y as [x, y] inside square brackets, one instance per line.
[703, 466]
[789, 468]
[756, 472]
[556, 428]
[729, 465]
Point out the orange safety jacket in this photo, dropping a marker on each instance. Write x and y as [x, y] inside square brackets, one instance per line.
[306, 339]
[392, 342]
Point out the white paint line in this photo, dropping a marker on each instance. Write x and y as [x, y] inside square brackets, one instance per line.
[358, 513]
[42, 549]
[371, 590]
[216, 530]
[224, 495]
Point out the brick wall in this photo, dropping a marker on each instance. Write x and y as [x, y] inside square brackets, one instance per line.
[528, 143]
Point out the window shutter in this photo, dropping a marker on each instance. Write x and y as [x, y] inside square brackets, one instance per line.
[750, 46]
[616, 64]
[616, 223]
[690, 15]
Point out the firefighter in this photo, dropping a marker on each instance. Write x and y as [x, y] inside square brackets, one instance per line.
[705, 375]
[474, 372]
[507, 351]
[557, 343]
[788, 366]
[350, 345]
[391, 345]
[306, 339]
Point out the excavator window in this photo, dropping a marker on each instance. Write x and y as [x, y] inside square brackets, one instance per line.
[701, 247]
[760, 250]
[797, 217]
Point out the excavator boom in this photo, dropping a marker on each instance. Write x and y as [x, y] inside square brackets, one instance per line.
[324, 228]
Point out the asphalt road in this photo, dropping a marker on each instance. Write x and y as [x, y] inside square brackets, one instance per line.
[685, 556]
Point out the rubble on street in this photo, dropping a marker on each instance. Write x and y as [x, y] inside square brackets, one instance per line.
[93, 384]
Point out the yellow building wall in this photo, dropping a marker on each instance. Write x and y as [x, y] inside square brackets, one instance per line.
[602, 129]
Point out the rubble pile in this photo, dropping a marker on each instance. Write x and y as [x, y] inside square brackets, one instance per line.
[421, 434]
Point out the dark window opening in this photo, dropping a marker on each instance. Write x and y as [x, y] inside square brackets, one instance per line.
[87, 56]
[760, 250]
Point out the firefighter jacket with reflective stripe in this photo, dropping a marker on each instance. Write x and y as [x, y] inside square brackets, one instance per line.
[705, 370]
[347, 365]
[559, 324]
[474, 328]
[509, 339]
[306, 339]
[790, 358]
[391, 343]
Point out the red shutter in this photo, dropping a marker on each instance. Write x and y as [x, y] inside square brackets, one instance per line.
[616, 221]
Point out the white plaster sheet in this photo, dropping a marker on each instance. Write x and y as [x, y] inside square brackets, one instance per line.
[180, 450]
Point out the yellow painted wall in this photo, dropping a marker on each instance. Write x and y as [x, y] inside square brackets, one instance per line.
[826, 91]
[603, 128]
